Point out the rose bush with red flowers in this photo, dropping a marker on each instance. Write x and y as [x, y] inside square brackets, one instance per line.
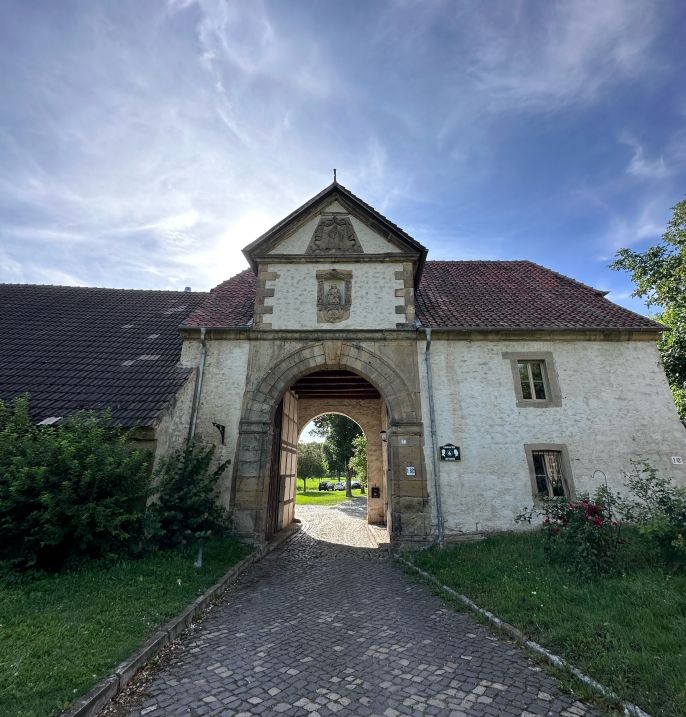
[581, 534]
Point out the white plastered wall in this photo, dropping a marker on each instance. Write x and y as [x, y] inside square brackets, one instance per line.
[220, 399]
[616, 405]
[373, 305]
[371, 242]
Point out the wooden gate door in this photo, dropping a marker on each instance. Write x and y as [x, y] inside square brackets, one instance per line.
[272, 523]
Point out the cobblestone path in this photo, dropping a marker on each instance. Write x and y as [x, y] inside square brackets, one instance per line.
[321, 629]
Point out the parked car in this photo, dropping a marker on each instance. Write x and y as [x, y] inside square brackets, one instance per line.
[339, 486]
[355, 484]
[325, 485]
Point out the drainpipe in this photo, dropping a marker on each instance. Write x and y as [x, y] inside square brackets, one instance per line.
[434, 441]
[198, 384]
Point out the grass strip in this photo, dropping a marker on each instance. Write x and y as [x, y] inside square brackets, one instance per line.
[314, 496]
[62, 633]
[628, 631]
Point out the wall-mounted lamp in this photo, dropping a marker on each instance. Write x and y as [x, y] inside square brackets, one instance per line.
[384, 436]
[221, 428]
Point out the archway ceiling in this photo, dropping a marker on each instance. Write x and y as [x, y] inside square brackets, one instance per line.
[334, 384]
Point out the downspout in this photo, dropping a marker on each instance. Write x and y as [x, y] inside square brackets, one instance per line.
[198, 385]
[434, 441]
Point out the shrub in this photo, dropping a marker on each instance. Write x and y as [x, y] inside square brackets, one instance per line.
[582, 534]
[659, 510]
[68, 492]
[186, 509]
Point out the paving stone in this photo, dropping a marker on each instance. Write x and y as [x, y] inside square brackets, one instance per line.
[329, 625]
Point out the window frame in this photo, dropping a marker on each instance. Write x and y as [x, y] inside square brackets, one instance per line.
[531, 448]
[551, 384]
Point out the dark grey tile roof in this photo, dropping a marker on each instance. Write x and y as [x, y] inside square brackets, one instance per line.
[77, 348]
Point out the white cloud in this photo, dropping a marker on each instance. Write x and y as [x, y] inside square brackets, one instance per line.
[639, 165]
[566, 55]
[645, 222]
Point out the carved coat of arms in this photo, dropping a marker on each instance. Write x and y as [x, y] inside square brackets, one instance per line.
[334, 235]
[334, 293]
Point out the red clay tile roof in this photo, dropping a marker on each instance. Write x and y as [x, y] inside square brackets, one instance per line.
[77, 348]
[230, 304]
[464, 295]
[515, 295]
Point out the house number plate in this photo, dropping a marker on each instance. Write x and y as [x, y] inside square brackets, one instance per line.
[449, 452]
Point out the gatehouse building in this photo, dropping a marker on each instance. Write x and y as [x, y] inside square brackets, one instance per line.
[480, 385]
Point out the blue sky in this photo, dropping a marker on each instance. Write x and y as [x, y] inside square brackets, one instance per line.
[143, 144]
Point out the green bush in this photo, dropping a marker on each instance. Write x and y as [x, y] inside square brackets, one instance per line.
[68, 492]
[582, 535]
[659, 510]
[186, 510]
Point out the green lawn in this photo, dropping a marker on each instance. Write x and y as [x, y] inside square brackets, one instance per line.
[60, 634]
[314, 496]
[627, 631]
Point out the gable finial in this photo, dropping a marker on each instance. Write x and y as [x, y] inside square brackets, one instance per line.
[334, 175]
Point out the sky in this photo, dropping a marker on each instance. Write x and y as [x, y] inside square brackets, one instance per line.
[144, 143]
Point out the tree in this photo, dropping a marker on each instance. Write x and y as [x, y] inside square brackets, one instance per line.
[310, 461]
[659, 274]
[339, 432]
[358, 462]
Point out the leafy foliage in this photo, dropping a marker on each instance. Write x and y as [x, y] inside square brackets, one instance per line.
[583, 535]
[186, 509]
[358, 462]
[659, 510]
[660, 277]
[339, 432]
[310, 461]
[68, 492]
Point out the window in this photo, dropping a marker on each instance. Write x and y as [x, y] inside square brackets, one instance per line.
[531, 379]
[548, 473]
[535, 379]
[550, 469]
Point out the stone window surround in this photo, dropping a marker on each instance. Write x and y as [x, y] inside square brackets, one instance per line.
[529, 449]
[552, 385]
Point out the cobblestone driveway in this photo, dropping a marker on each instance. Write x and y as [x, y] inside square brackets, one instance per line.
[321, 629]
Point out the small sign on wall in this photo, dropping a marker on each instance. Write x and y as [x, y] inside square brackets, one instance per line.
[677, 461]
[450, 452]
[410, 471]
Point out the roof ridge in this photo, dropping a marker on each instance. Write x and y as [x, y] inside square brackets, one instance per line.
[478, 261]
[600, 292]
[100, 288]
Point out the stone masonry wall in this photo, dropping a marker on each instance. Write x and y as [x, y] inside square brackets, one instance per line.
[615, 406]
[292, 296]
[220, 400]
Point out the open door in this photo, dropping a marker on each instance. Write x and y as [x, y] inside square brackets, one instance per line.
[272, 522]
[282, 477]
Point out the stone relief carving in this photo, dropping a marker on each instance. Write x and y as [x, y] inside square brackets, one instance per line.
[334, 235]
[334, 293]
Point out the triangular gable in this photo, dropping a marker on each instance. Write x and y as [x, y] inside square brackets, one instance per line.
[335, 214]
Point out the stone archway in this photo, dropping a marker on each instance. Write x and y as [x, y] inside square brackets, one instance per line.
[370, 416]
[407, 486]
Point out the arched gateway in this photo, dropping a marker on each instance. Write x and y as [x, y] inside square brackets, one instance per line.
[403, 486]
[493, 383]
